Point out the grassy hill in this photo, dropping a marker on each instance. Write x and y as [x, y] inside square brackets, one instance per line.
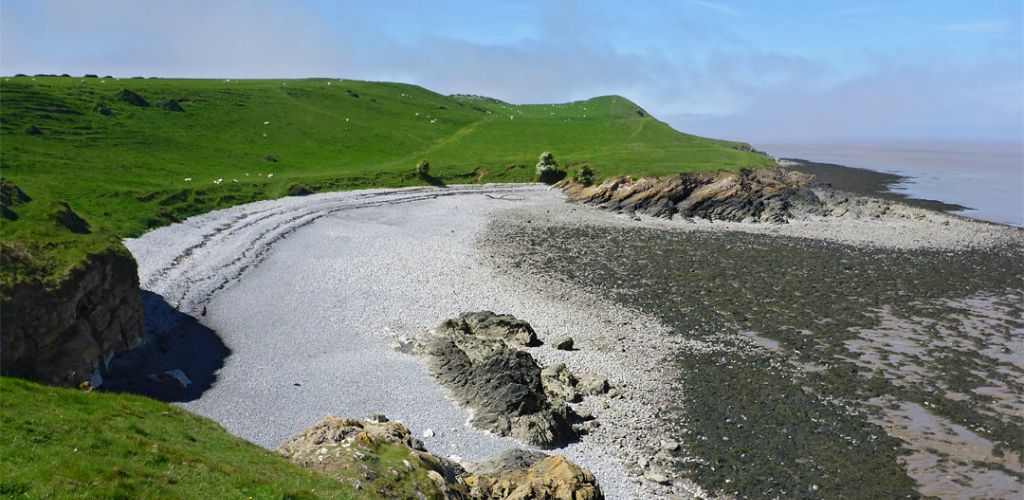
[60, 443]
[122, 166]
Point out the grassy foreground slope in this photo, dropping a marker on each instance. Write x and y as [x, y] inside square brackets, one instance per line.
[123, 167]
[59, 443]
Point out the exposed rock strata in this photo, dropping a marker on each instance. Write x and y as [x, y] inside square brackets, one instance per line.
[383, 458]
[766, 195]
[61, 334]
[503, 386]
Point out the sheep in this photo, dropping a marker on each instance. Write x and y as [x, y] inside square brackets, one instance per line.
[269, 175]
[188, 179]
[266, 123]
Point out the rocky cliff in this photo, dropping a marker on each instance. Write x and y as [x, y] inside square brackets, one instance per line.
[61, 333]
[766, 195]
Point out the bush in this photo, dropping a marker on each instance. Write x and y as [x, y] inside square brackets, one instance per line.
[585, 175]
[423, 168]
[547, 169]
[299, 189]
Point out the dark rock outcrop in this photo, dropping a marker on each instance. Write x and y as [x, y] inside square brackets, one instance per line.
[170, 105]
[70, 220]
[766, 195]
[61, 333]
[131, 97]
[500, 384]
[11, 196]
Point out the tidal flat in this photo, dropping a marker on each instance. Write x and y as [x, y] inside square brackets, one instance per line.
[815, 368]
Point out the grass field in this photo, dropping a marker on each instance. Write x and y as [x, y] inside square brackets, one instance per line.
[124, 167]
[64, 443]
[199, 145]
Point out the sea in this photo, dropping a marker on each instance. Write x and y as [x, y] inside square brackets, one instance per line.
[986, 176]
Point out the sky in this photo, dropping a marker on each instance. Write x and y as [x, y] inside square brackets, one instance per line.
[775, 71]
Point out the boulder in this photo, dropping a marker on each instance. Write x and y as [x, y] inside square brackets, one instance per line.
[361, 453]
[552, 477]
[488, 325]
[559, 382]
[500, 384]
[564, 344]
[592, 385]
[384, 460]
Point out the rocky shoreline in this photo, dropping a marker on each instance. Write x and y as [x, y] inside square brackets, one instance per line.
[354, 296]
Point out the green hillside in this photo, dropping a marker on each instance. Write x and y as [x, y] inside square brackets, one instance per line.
[123, 167]
[63, 443]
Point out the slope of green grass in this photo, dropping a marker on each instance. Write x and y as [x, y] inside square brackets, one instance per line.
[123, 167]
[68, 443]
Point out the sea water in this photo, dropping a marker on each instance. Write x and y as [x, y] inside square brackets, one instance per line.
[986, 176]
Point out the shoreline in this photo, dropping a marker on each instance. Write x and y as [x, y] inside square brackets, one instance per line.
[309, 324]
[984, 176]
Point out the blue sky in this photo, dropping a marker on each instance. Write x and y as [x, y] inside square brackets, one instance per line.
[751, 70]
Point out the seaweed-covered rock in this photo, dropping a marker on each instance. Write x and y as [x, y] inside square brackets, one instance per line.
[131, 97]
[500, 384]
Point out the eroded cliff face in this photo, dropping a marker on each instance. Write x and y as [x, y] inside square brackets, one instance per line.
[61, 334]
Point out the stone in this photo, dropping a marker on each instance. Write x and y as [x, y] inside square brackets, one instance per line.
[341, 448]
[564, 344]
[656, 477]
[669, 445]
[429, 433]
[592, 385]
[552, 477]
[501, 385]
[377, 418]
[486, 324]
[559, 382]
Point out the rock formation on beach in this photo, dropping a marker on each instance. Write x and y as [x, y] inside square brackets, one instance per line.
[765, 195]
[383, 458]
[471, 356]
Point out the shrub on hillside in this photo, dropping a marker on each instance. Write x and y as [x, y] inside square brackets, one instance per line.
[585, 175]
[547, 169]
[423, 168]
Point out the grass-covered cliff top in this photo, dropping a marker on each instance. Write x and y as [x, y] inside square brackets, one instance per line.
[61, 443]
[119, 152]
